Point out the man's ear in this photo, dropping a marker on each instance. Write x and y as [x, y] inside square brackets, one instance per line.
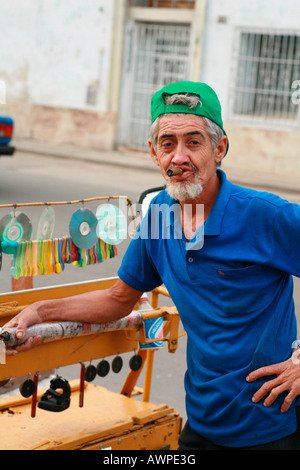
[220, 150]
[153, 153]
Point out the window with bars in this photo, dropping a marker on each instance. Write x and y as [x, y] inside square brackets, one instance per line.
[162, 3]
[267, 67]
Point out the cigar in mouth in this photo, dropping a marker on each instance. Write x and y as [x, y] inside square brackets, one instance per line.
[174, 172]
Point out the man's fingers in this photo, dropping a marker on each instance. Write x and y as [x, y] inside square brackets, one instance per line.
[264, 372]
[20, 326]
[264, 390]
[11, 352]
[274, 393]
[12, 323]
[29, 344]
[288, 401]
[20, 332]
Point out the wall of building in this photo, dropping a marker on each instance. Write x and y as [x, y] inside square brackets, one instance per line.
[269, 149]
[55, 62]
[61, 62]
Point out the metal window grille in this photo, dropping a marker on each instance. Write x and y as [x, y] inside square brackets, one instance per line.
[267, 66]
[163, 3]
[158, 55]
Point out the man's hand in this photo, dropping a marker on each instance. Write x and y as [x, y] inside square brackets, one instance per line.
[287, 380]
[28, 316]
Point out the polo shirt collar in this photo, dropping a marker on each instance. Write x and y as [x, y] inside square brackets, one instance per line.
[213, 223]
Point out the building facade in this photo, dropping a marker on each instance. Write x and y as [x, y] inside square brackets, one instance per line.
[251, 56]
[83, 72]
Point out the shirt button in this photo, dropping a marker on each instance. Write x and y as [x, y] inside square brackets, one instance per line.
[190, 260]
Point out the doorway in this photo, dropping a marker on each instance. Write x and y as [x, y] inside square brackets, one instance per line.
[154, 55]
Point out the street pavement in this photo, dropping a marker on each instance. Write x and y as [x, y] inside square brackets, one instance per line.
[284, 186]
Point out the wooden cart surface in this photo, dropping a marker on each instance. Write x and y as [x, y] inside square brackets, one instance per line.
[108, 420]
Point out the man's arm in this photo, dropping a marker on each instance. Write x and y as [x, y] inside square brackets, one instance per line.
[99, 306]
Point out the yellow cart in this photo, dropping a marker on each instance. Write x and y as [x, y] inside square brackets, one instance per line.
[107, 420]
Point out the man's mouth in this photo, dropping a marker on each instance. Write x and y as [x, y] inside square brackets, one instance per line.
[174, 172]
[179, 171]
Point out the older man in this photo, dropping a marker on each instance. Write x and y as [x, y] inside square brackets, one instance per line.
[227, 262]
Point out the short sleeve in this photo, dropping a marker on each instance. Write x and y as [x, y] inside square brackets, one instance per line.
[137, 268]
[286, 239]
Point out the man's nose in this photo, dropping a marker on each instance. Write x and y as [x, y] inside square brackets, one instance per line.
[180, 155]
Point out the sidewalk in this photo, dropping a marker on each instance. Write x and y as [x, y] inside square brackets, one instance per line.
[141, 160]
[123, 158]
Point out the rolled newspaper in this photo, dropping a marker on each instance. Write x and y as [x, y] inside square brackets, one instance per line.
[49, 331]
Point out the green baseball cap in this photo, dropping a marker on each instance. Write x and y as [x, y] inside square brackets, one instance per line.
[209, 105]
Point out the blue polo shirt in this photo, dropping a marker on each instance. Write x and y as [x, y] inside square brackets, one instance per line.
[233, 288]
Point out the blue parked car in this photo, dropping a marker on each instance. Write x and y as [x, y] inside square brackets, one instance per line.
[6, 132]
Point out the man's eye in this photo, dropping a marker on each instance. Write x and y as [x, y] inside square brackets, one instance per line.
[167, 144]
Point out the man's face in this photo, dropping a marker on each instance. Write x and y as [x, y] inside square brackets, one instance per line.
[184, 143]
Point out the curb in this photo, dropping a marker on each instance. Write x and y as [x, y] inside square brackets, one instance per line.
[122, 158]
[142, 161]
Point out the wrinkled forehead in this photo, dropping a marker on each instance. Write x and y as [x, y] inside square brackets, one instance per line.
[180, 124]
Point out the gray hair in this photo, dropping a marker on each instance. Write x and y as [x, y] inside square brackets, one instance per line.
[215, 132]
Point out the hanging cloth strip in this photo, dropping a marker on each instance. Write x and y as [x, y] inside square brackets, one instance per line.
[46, 257]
